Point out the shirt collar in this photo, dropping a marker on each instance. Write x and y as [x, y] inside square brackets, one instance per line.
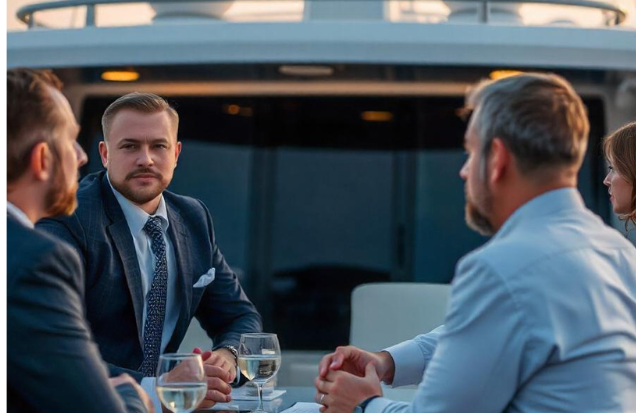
[137, 217]
[18, 214]
[543, 205]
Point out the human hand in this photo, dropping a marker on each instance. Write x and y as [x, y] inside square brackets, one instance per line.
[225, 359]
[354, 360]
[340, 391]
[126, 379]
[219, 371]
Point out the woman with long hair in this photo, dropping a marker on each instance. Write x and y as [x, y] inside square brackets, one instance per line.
[620, 150]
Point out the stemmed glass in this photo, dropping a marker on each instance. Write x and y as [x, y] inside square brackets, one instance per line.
[259, 359]
[181, 382]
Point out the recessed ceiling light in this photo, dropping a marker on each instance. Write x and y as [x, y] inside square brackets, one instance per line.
[503, 73]
[120, 75]
[306, 70]
[376, 116]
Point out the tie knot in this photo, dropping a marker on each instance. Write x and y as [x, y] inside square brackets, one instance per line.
[153, 226]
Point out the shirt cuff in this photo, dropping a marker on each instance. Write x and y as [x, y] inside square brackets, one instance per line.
[409, 363]
[148, 384]
[378, 405]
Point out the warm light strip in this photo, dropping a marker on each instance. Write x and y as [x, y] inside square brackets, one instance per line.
[376, 116]
[120, 75]
[306, 70]
[501, 74]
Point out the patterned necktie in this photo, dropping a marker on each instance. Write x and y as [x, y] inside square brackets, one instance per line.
[156, 307]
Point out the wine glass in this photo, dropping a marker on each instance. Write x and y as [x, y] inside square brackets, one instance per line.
[181, 382]
[259, 360]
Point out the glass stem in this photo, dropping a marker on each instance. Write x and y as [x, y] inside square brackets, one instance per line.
[259, 389]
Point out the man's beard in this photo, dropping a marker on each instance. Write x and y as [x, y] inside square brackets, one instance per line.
[477, 210]
[60, 199]
[140, 197]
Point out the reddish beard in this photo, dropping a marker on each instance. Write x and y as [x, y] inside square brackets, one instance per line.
[60, 198]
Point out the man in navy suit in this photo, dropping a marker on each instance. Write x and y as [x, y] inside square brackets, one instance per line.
[151, 258]
[53, 364]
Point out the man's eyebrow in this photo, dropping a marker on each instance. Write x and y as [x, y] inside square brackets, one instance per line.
[138, 140]
[129, 140]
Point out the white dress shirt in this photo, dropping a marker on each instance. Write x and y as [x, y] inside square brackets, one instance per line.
[17, 213]
[542, 318]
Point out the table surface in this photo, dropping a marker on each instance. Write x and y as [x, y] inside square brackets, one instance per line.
[293, 395]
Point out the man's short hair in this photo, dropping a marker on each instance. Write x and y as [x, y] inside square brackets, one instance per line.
[539, 118]
[32, 116]
[141, 102]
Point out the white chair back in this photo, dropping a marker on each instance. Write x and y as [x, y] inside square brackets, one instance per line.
[384, 314]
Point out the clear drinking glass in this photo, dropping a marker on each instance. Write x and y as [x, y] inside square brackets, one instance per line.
[259, 360]
[181, 382]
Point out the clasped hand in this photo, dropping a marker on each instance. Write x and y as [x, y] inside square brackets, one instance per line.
[349, 376]
[220, 371]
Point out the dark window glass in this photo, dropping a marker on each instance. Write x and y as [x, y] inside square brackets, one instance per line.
[312, 196]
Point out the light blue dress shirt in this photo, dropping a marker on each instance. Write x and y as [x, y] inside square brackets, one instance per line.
[542, 318]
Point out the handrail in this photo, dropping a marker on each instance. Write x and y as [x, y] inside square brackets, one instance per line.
[26, 13]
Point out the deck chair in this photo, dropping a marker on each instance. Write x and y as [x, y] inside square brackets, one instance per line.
[384, 314]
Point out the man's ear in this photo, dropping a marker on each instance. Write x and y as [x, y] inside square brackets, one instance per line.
[41, 162]
[177, 152]
[499, 161]
[103, 153]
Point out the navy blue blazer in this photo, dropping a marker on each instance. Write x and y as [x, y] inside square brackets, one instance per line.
[53, 365]
[114, 297]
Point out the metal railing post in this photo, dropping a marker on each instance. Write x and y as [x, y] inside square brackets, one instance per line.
[90, 15]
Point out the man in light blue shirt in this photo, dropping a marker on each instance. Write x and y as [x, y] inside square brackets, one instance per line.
[543, 316]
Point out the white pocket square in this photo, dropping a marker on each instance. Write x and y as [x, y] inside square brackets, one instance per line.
[205, 279]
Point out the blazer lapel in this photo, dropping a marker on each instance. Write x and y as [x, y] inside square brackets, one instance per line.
[120, 233]
[179, 237]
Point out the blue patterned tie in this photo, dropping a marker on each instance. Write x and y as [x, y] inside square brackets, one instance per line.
[156, 307]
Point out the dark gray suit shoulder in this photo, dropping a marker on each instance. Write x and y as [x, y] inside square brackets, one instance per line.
[29, 249]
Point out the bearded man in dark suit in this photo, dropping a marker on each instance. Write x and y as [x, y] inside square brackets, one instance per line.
[151, 258]
[53, 364]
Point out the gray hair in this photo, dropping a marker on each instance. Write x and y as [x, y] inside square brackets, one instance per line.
[539, 118]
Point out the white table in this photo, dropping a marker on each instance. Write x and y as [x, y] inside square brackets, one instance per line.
[293, 395]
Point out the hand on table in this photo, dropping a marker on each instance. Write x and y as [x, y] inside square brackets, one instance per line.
[340, 391]
[126, 379]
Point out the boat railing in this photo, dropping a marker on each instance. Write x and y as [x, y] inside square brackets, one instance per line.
[27, 13]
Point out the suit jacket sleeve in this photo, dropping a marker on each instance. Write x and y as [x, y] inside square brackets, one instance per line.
[71, 231]
[225, 311]
[52, 359]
